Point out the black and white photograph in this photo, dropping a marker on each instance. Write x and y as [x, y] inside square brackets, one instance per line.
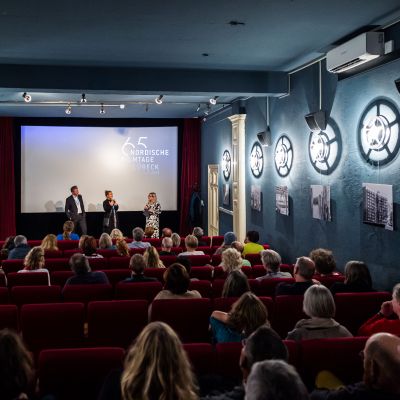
[321, 202]
[282, 200]
[255, 197]
[226, 191]
[378, 205]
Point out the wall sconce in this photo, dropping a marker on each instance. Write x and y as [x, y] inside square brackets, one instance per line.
[226, 164]
[283, 156]
[256, 160]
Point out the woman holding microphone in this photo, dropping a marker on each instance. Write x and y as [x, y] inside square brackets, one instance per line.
[110, 206]
[152, 210]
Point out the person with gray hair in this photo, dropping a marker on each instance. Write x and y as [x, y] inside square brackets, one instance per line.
[166, 246]
[275, 380]
[303, 274]
[272, 261]
[20, 250]
[199, 233]
[138, 234]
[318, 304]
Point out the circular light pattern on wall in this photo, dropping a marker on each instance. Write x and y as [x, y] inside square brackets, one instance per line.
[226, 164]
[324, 148]
[283, 156]
[378, 132]
[256, 160]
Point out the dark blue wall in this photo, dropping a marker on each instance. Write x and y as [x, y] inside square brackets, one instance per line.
[298, 233]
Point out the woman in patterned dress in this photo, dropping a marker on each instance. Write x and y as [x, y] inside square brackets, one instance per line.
[152, 210]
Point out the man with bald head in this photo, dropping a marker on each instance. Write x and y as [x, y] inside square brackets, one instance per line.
[381, 379]
[166, 232]
[303, 273]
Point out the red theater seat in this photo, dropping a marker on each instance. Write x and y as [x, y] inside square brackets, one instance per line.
[202, 357]
[202, 273]
[12, 265]
[118, 262]
[329, 280]
[168, 260]
[86, 293]
[255, 259]
[53, 254]
[116, 323]
[97, 264]
[3, 280]
[353, 309]
[293, 352]
[258, 270]
[57, 264]
[198, 261]
[216, 259]
[9, 317]
[228, 355]
[117, 275]
[248, 271]
[60, 277]
[107, 253]
[71, 251]
[4, 298]
[217, 240]
[77, 373]
[217, 286]
[67, 244]
[50, 326]
[206, 250]
[34, 243]
[157, 273]
[219, 273]
[137, 291]
[153, 241]
[267, 286]
[288, 310]
[35, 294]
[136, 251]
[188, 317]
[203, 287]
[27, 279]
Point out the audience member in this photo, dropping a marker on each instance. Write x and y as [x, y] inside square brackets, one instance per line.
[275, 380]
[152, 259]
[34, 262]
[239, 246]
[21, 248]
[116, 234]
[191, 244]
[149, 232]
[166, 246]
[185, 261]
[7, 247]
[105, 242]
[325, 264]
[176, 240]
[166, 232]
[229, 238]
[82, 241]
[122, 248]
[247, 314]
[251, 245]
[231, 260]
[83, 274]
[68, 233]
[17, 371]
[176, 286]
[387, 319]
[199, 233]
[381, 373]
[303, 273]
[319, 306]
[49, 243]
[156, 367]
[138, 243]
[235, 284]
[89, 248]
[137, 264]
[271, 261]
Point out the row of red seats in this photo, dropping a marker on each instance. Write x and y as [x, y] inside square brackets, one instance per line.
[79, 373]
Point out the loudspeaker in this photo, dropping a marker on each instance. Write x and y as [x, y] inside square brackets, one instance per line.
[265, 138]
[397, 85]
[316, 121]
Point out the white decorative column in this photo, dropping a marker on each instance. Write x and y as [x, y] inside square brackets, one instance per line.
[239, 175]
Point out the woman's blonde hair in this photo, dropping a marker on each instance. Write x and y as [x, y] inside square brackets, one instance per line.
[191, 241]
[152, 258]
[49, 242]
[231, 260]
[116, 234]
[68, 227]
[247, 314]
[82, 241]
[34, 259]
[176, 239]
[122, 248]
[157, 367]
[105, 241]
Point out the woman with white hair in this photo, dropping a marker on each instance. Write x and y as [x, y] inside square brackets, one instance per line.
[318, 304]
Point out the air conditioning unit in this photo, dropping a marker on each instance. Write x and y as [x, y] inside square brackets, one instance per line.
[357, 51]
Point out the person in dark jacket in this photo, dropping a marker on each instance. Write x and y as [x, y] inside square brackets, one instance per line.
[83, 274]
[21, 248]
[137, 264]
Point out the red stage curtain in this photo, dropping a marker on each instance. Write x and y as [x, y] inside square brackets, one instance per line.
[190, 173]
[7, 182]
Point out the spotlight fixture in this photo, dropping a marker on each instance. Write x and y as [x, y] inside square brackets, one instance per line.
[122, 106]
[265, 137]
[68, 110]
[159, 99]
[83, 98]
[213, 100]
[198, 108]
[102, 110]
[27, 97]
[316, 121]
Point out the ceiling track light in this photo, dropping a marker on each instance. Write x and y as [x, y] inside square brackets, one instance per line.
[68, 110]
[122, 106]
[213, 100]
[102, 110]
[198, 108]
[83, 98]
[159, 99]
[27, 97]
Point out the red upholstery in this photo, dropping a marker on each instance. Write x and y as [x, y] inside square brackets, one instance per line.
[27, 279]
[117, 275]
[136, 251]
[294, 353]
[9, 316]
[340, 356]
[255, 259]
[116, 323]
[60, 277]
[137, 291]
[55, 325]
[188, 317]
[35, 294]
[97, 264]
[247, 271]
[153, 241]
[267, 286]
[118, 262]
[67, 244]
[3, 280]
[258, 270]
[287, 268]
[4, 295]
[12, 265]
[202, 357]
[204, 287]
[86, 293]
[217, 240]
[202, 273]
[199, 261]
[219, 273]
[57, 264]
[254, 286]
[71, 251]
[353, 309]
[206, 250]
[168, 260]
[157, 273]
[53, 254]
[216, 259]
[217, 286]
[107, 253]
[329, 280]
[77, 373]
[33, 243]
[288, 310]
[228, 355]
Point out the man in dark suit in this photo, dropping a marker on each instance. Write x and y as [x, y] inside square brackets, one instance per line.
[75, 210]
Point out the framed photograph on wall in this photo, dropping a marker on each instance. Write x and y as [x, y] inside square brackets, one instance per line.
[255, 197]
[226, 193]
[378, 205]
[282, 200]
[321, 202]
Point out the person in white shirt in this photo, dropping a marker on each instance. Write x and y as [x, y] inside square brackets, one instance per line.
[191, 244]
[34, 262]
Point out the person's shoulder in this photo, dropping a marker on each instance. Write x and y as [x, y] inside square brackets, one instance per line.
[194, 293]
